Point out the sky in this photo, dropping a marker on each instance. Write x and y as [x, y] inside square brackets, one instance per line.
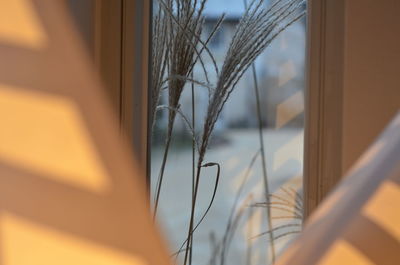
[232, 8]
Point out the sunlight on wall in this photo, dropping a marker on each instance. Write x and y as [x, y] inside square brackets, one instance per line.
[24, 242]
[289, 151]
[383, 208]
[45, 134]
[289, 109]
[344, 253]
[287, 71]
[20, 25]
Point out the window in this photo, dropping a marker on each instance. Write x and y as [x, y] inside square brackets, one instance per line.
[237, 221]
[321, 167]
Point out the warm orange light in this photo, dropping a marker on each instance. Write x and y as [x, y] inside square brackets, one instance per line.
[383, 208]
[45, 134]
[24, 242]
[20, 25]
[343, 253]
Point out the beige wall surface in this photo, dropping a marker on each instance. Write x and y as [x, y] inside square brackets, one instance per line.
[353, 86]
[371, 94]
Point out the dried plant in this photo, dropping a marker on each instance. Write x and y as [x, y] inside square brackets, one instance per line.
[221, 249]
[256, 30]
[177, 48]
[160, 52]
[235, 214]
[233, 220]
[185, 24]
[289, 204]
[184, 27]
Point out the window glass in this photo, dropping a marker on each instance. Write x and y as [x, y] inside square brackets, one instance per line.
[270, 95]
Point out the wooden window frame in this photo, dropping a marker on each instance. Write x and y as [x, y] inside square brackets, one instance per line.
[121, 54]
[324, 100]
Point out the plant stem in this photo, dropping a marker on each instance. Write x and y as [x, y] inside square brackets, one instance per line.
[234, 207]
[193, 160]
[161, 174]
[208, 207]
[189, 237]
[264, 163]
[249, 252]
[263, 158]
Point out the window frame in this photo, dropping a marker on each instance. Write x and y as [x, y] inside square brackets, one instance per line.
[121, 55]
[324, 101]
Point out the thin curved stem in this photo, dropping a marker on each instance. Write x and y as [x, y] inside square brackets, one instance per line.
[263, 158]
[275, 229]
[161, 177]
[234, 207]
[188, 241]
[165, 155]
[193, 152]
[193, 209]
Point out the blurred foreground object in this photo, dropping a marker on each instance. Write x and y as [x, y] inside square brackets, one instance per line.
[359, 223]
[70, 192]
